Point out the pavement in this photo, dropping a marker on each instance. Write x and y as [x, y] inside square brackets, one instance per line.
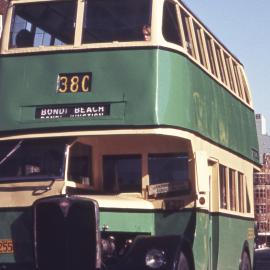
[262, 259]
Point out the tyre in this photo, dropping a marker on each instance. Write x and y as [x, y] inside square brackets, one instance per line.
[245, 262]
[183, 262]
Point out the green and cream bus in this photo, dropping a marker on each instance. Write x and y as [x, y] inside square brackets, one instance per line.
[127, 140]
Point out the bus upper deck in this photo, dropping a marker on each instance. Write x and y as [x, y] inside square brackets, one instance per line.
[89, 65]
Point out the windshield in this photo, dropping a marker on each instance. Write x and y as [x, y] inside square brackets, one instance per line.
[53, 23]
[32, 159]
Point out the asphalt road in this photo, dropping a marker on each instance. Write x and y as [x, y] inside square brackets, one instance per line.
[262, 259]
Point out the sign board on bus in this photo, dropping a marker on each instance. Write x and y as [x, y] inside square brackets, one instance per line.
[72, 111]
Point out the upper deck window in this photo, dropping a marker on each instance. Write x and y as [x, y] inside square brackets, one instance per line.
[210, 54]
[54, 23]
[199, 40]
[121, 20]
[187, 32]
[43, 24]
[170, 27]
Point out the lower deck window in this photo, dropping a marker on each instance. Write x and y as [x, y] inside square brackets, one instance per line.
[167, 167]
[168, 173]
[122, 173]
[80, 161]
[222, 187]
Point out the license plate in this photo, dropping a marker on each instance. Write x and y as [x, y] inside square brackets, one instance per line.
[6, 246]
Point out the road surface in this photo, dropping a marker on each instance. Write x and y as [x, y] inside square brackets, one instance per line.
[262, 259]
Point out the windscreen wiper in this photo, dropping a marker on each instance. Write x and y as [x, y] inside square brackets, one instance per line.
[13, 150]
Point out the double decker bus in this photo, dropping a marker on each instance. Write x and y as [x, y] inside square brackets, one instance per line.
[127, 140]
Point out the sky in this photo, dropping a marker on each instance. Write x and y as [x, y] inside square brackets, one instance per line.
[243, 26]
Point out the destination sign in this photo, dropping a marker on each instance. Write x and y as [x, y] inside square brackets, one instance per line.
[72, 111]
[163, 188]
[74, 82]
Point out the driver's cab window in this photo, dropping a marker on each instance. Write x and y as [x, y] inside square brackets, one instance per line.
[122, 173]
[80, 164]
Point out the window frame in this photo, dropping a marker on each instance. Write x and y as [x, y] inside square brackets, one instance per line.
[237, 79]
[7, 34]
[76, 181]
[234, 193]
[198, 33]
[244, 83]
[180, 34]
[34, 27]
[231, 81]
[232, 189]
[211, 55]
[220, 63]
[117, 157]
[185, 184]
[223, 188]
[187, 30]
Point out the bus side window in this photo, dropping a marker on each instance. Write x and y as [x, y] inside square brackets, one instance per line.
[210, 51]
[168, 174]
[170, 26]
[80, 161]
[185, 18]
[222, 187]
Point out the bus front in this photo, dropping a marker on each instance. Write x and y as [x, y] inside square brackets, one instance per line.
[84, 174]
[111, 155]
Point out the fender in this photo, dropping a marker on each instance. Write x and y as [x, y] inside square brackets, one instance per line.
[170, 245]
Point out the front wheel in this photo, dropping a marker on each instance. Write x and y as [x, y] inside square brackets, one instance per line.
[245, 262]
[183, 262]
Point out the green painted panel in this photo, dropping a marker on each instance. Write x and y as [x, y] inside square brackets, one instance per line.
[121, 78]
[217, 240]
[144, 87]
[128, 221]
[17, 226]
[176, 223]
[191, 99]
[230, 230]
[220, 239]
[215, 237]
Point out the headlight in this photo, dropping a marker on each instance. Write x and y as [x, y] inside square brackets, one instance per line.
[155, 258]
